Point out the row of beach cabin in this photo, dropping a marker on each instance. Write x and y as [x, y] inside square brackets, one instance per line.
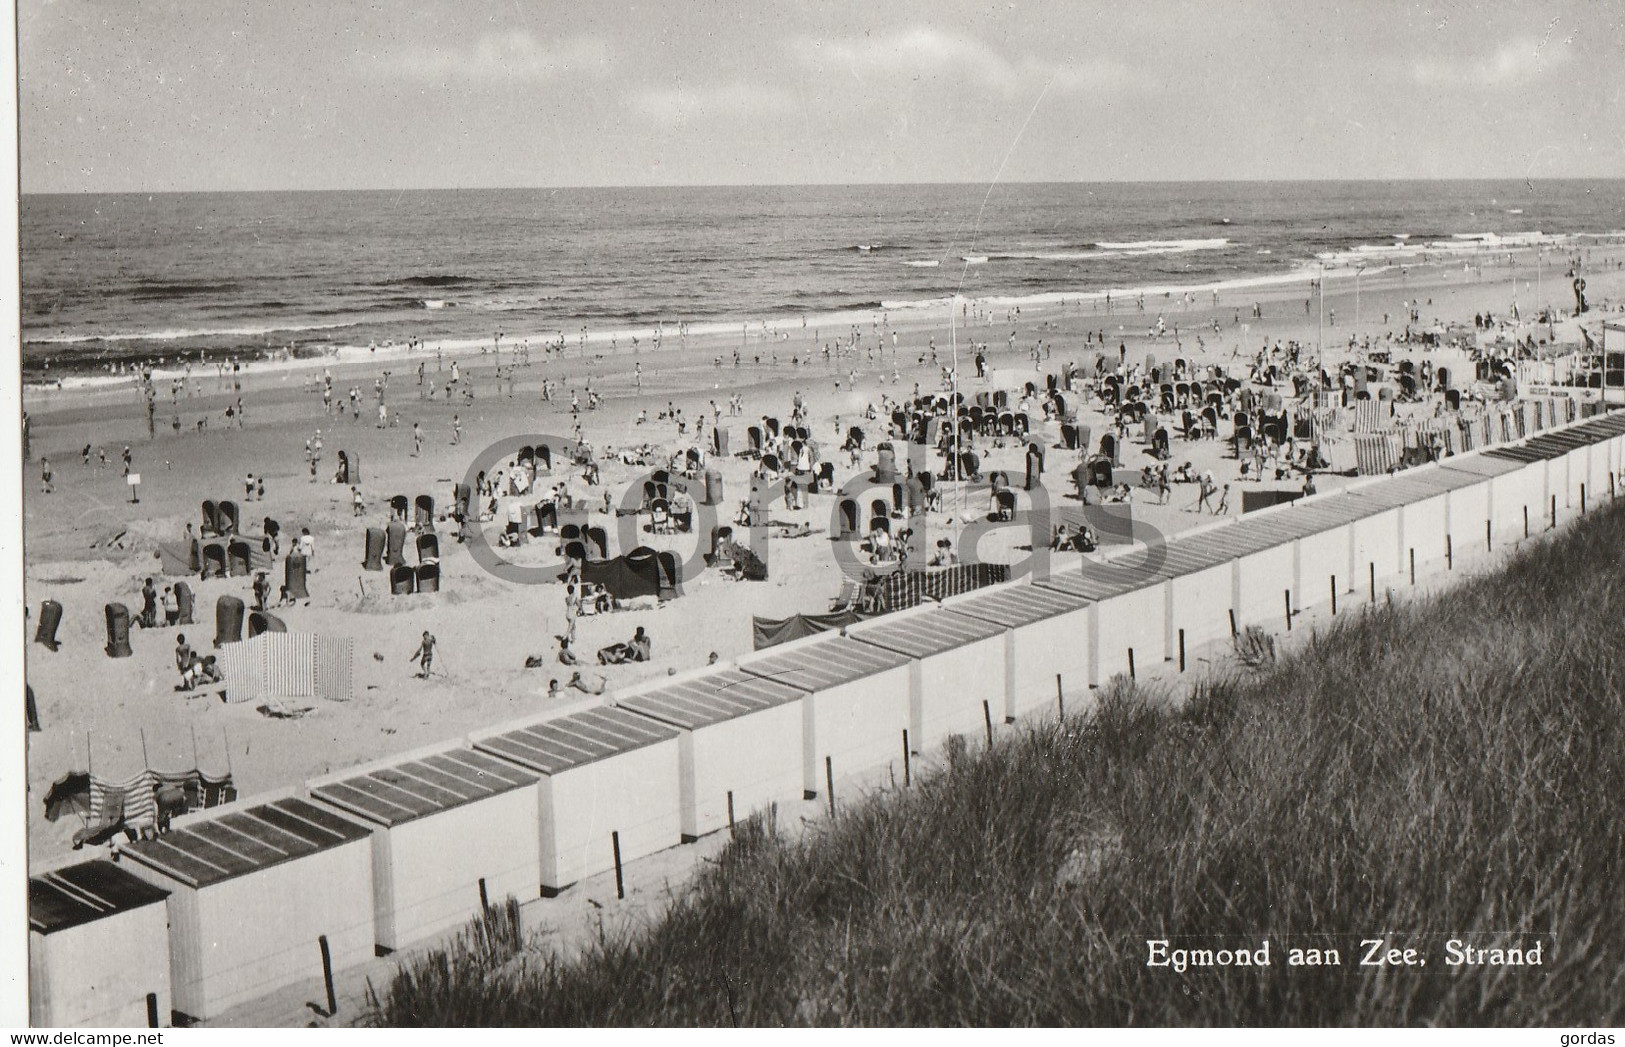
[239, 901]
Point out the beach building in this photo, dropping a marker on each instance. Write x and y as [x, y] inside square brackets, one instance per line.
[856, 706]
[1043, 633]
[740, 741]
[956, 664]
[255, 889]
[608, 781]
[98, 948]
[450, 834]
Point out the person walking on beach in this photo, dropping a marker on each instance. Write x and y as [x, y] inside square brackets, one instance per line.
[456, 429]
[424, 655]
[45, 475]
[1205, 491]
[417, 440]
[1223, 508]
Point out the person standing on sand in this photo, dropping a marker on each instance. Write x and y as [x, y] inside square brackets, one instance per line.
[1204, 493]
[45, 475]
[417, 440]
[424, 655]
[456, 429]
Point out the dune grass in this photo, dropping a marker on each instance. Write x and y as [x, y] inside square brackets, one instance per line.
[1449, 768]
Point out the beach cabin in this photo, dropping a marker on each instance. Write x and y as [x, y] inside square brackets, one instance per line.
[739, 742]
[1265, 567]
[606, 775]
[956, 665]
[98, 948]
[1571, 451]
[1044, 632]
[1127, 611]
[855, 708]
[1418, 501]
[1515, 487]
[1204, 576]
[1325, 546]
[450, 833]
[1603, 458]
[254, 886]
[1377, 536]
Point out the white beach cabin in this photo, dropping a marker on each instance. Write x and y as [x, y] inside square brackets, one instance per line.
[956, 665]
[98, 948]
[855, 708]
[452, 830]
[606, 775]
[740, 741]
[253, 887]
[1045, 634]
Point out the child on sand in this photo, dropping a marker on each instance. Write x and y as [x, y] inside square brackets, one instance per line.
[424, 655]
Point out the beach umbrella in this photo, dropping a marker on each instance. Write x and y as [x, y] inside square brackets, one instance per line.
[69, 794]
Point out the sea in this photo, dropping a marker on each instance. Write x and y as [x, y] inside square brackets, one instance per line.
[111, 282]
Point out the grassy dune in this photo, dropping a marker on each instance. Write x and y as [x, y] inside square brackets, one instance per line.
[1449, 768]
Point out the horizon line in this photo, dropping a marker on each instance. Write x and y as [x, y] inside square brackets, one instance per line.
[824, 185]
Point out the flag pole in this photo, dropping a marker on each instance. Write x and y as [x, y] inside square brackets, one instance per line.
[959, 461]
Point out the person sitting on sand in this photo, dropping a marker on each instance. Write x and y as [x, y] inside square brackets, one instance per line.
[880, 547]
[619, 653]
[566, 655]
[553, 689]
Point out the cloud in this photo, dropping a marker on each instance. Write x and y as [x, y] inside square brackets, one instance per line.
[1513, 63]
[680, 103]
[514, 56]
[922, 52]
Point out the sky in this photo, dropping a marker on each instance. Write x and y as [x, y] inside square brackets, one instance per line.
[177, 95]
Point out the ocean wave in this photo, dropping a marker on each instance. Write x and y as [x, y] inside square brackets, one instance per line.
[178, 334]
[1405, 247]
[433, 280]
[929, 263]
[165, 290]
[1164, 246]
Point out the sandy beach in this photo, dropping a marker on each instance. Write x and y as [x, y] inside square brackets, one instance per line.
[88, 544]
